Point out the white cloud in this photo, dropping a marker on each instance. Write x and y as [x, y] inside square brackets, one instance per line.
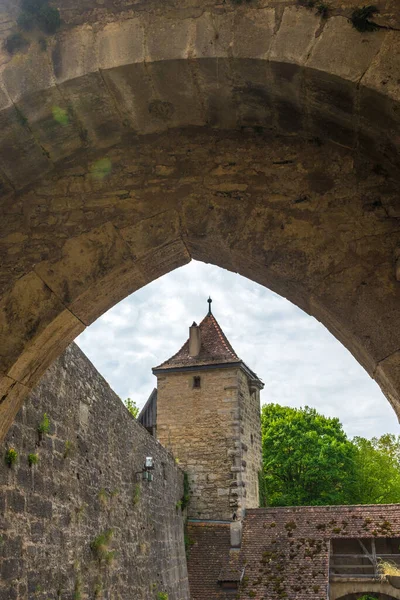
[299, 361]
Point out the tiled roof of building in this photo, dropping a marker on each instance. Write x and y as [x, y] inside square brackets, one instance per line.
[285, 551]
[215, 348]
[208, 557]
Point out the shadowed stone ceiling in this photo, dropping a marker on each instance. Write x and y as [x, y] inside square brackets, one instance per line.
[261, 138]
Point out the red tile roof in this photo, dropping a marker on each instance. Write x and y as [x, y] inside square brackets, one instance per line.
[215, 348]
[285, 551]
[209, 547]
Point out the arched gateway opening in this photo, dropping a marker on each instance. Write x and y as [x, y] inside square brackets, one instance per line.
[262, 139]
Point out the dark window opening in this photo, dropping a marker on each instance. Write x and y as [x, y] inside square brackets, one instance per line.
[196, 382]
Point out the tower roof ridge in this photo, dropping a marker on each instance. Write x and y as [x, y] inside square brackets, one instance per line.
[215, 348]
[223, 337]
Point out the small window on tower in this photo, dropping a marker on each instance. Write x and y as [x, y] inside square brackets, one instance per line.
[196, 382]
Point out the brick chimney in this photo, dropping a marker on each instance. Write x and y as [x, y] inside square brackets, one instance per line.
[194, 340]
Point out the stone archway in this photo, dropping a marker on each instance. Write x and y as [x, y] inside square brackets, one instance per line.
[232, 135]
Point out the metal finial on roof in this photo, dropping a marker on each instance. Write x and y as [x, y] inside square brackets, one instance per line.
[209, 305]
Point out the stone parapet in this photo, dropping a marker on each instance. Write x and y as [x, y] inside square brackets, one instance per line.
[85, 484]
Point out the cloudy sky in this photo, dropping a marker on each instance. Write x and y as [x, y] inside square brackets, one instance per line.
[300, 362]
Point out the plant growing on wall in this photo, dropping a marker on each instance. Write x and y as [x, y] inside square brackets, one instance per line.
[103, 497]
[35, 14]
[186, 492]
[367, 597]
[44, 426]
[361, 18]
[387, 569]
[33, 459]
[322, 9]
[11, 457]
[188, 543]
[80, 511]
[162, 596]
[78, 588]
[101, 547]
[98, 589]
[67, 448]
[39, 13]
[136, 494]
[15, 42]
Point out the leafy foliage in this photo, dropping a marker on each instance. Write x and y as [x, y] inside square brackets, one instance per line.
[307, 457]
[377, 463]
[308, 460]
[132, 407]
[360, 18]
[262, 490]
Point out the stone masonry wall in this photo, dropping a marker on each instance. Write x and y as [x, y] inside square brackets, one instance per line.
[250, 436]
[83, 486]
[214, 431]
[198, 426]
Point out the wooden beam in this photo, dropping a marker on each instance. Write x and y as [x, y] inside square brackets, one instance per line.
[367, 553]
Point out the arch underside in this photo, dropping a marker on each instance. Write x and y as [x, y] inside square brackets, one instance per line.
[283, 170]
[355, 590]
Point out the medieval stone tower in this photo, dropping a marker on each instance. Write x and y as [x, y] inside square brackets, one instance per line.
[208, 415]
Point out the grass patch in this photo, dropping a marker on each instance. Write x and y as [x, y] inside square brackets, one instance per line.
[101, 547]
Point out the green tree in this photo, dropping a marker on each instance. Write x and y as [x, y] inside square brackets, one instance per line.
[132, 407]
[307, 458]
[377, 463]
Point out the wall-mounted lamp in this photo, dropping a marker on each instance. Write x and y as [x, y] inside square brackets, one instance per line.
[149, 463]
[148, 467]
